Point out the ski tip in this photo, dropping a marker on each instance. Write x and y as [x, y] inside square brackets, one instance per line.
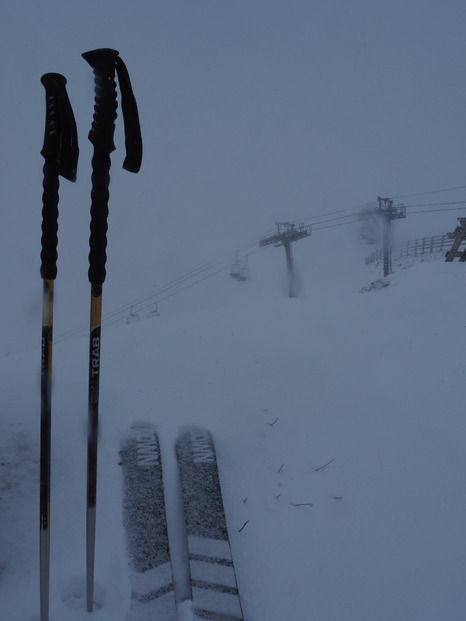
[196, 445]
[138, 429]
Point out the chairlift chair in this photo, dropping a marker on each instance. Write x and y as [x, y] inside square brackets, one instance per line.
[240, 269]
[132, 316]
[154, 312]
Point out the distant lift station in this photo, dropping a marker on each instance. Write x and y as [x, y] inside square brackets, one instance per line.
[286, 234]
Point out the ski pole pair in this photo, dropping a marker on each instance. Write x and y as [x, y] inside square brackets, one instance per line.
[60, 152]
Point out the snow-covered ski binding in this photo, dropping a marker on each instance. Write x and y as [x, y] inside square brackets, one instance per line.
[144, 518]
[213, 580]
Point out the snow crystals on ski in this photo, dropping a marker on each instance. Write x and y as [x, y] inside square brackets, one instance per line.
[213, 581]
[144, 517]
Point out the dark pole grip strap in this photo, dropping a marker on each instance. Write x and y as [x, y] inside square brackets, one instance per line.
[133, 140]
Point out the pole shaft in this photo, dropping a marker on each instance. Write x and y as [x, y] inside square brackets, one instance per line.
[45, 444]
[92, 444]
[97, 259]
[387, 246]
[102, 139]
[60, 151]
[105, 63]
[290, 266]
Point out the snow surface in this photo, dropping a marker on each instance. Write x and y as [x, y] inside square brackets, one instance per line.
[368, 381]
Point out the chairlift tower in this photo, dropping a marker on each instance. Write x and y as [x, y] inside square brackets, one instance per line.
[388, 211]
[286, 234]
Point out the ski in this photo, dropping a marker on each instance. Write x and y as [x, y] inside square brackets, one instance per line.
[214, 588]
[144, 519]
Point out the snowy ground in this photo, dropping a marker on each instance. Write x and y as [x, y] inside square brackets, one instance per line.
[339, 429]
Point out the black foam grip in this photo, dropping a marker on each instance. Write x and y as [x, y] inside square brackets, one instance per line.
[49, 239]
[51, 152]
[60, 137]
[51, 146]
[103, 63]
[99, 216]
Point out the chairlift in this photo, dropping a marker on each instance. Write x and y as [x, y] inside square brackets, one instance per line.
[154, 312]
[243, 272]
[235, 272]
[240, 269]
[132, 316]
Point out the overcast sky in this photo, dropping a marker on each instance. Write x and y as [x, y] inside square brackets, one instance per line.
[252, 111]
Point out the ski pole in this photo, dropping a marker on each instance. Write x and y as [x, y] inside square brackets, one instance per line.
[104, 63]
[60, 152]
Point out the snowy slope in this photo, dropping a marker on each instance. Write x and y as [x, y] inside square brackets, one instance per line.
[368, 381]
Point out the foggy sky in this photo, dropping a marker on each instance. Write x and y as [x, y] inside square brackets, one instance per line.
[252, 112]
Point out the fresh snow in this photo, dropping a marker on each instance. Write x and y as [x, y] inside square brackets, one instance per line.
[339, 430]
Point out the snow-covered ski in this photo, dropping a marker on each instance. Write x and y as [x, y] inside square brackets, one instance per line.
[144, 518]
[213, 580]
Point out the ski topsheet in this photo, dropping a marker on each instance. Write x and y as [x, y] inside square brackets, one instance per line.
[144, 518]
[213, 581]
